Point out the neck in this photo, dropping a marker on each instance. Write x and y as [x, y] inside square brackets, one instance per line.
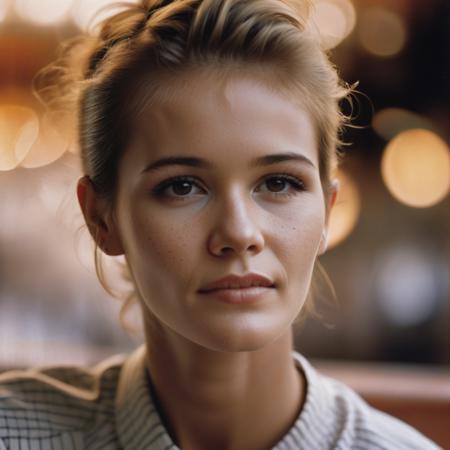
[225, 401]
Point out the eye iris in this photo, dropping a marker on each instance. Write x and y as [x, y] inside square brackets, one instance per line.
[276, 184]
[182, 187]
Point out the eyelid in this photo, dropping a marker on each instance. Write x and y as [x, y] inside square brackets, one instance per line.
[295, 182]
[294, 179]
[160, 187]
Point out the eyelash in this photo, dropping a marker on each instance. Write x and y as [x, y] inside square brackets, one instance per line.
[159, 191]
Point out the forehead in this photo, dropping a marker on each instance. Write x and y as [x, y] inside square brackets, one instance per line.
[208, 114]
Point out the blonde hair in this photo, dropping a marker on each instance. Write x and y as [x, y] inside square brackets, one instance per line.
[154, 40]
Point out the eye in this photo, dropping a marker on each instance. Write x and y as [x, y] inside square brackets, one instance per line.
[282, 184]
[178, 188]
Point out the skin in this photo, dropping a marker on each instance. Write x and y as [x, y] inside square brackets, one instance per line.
[223, 373]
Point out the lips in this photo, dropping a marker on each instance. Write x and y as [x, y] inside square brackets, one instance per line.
[238, 282]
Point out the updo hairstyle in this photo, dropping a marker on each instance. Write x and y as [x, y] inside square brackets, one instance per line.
[101, 79]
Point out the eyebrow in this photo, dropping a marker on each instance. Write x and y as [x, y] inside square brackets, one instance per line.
[268, 160]
[261, 161]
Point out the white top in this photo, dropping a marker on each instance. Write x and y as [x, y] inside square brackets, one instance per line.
[110, 407]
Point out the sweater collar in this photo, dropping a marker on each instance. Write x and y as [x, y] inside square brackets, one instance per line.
[137, 420]
[139, 424]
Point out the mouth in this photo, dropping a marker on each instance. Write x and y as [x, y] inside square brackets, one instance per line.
[240, 295]
[236, 288]
[239, 282]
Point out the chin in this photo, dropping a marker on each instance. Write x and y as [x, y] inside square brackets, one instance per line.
[248, 338]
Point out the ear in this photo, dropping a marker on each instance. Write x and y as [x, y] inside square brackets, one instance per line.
[98, 219]
[331, 200]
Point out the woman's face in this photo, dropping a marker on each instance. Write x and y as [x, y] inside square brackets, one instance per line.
[221, 179]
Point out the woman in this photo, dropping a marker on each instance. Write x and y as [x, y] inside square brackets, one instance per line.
[208, 133]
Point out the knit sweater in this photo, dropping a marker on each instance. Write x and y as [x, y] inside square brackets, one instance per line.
[110, 407]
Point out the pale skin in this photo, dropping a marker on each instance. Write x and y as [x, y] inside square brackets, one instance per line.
[223, 373]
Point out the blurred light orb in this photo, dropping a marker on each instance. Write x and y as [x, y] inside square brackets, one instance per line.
[335, 20]
[408, 285]
[416, 168]
[49, 146]
[43, 12]
[87, 14]
[391, 121]
[19, 129]
[382, 32]
[4, 7]
[346, 211]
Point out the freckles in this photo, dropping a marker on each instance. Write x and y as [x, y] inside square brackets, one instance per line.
[168, 245]
[300, 240]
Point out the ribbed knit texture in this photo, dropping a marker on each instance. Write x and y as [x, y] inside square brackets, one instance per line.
[110, 407]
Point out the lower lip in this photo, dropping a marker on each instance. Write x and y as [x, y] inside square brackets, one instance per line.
[239, 296]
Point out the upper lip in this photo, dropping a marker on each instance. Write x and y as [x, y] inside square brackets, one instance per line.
[238, 282]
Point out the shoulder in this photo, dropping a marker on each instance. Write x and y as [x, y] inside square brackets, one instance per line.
[367, 427]
[351, 421]
[63, 402]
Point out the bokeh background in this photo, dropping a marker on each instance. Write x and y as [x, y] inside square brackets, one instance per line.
[390, 246]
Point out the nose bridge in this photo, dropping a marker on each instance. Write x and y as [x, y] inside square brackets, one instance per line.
[236, 206]
[236, 226]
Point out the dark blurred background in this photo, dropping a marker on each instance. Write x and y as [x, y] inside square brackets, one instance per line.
[390, 247]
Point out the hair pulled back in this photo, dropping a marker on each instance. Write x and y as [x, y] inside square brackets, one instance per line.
[99, 78]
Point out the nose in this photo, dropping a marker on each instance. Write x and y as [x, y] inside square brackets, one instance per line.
[236, 229]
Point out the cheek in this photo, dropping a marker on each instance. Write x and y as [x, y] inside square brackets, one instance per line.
[298, 240]
[159, 250]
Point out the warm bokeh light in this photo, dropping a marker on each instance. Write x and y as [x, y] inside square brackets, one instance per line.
[416, 168]
[391, 121]
[19, 128]
[346, 211]
[88, 13]
[382, 32]
[48, 147]
[43, 12]
[4, 6]
[335, 20]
